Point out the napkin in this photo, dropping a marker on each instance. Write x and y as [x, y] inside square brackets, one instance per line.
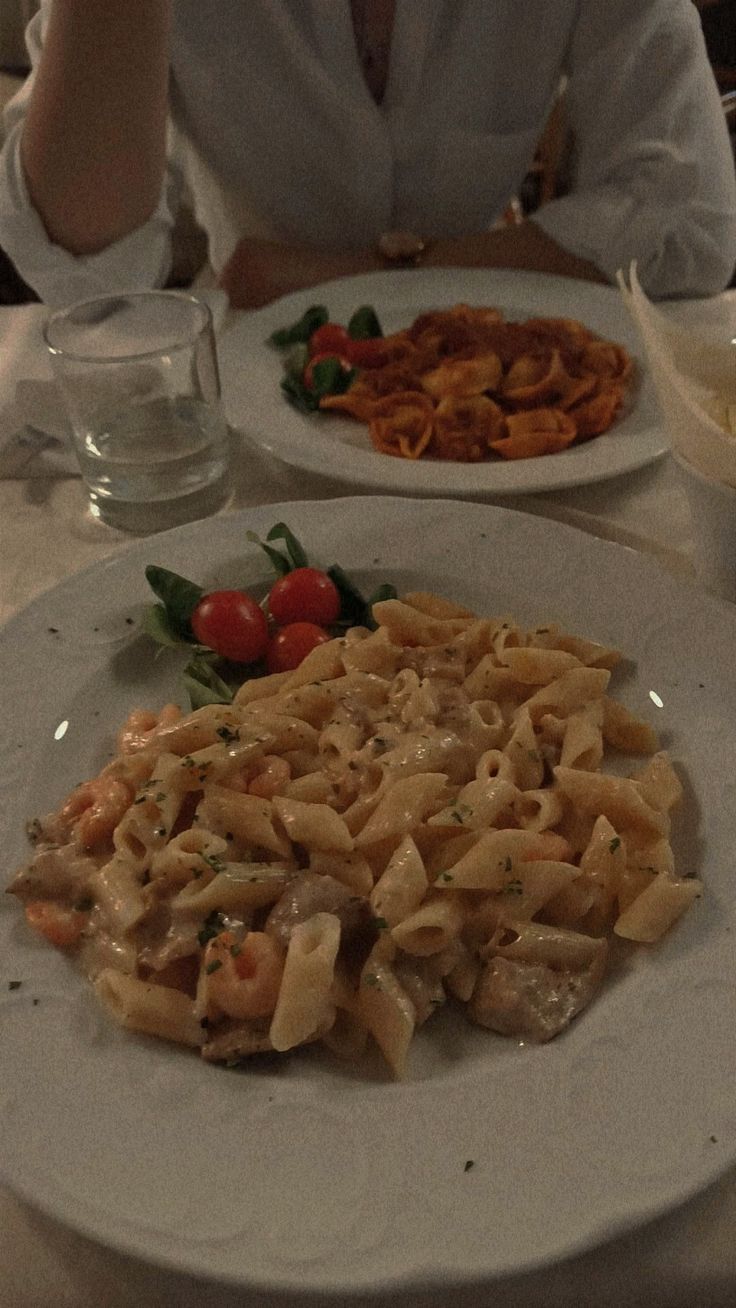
[35, 439]
[695, 379]
[35, 436]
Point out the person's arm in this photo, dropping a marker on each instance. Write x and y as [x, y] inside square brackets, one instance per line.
[261, 271]
[654, 172]
[94, 140]
[521, 245]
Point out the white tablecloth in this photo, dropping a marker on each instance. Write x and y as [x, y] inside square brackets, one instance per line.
[684, 1260]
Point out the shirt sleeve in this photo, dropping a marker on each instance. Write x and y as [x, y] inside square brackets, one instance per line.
[139, 260]
[655, 179]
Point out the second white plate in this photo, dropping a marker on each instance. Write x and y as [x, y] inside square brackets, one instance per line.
[329, 445]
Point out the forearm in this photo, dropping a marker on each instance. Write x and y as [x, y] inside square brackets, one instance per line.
[522, 246]
[94, 140]
[261, 271]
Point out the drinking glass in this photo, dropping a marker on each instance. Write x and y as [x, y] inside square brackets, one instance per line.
[139, 378]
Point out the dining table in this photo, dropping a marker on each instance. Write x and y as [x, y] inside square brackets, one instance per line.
[685, 1258]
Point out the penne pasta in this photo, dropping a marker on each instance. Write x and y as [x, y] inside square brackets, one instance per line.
[305, 1004]
[402, 885]
[417, 812]
[386, 1009]
[151, 1009]
[430, 928]
[653, 912]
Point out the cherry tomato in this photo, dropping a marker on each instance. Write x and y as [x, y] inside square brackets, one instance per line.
[368, 353]
[304, 595]
[232, 624]
[308, 374]
[292, 644]
[330, 338]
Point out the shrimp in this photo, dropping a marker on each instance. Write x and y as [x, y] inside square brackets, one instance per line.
[242, 980]
[61, 926]
[94, 809]
[140, 725]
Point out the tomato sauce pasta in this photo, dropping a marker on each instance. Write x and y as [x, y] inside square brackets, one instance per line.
[464, 384]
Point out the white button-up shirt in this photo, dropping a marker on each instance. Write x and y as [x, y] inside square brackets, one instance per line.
[274, 133]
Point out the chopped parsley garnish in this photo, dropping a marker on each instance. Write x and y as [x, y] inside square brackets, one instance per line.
[228, 734]
[513, 888]
[214, 966]
[460, 812]
[446, 876]
[614, 845]
[381, 923]
[214, 862]
[213, 925]
[371, 980]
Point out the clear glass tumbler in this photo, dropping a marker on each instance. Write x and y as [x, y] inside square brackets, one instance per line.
[139, 378]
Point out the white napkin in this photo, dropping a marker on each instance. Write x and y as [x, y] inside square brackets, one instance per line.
[695, 378]
[35, 437]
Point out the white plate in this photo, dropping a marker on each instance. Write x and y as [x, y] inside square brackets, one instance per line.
[339, 448]
[309, 1176]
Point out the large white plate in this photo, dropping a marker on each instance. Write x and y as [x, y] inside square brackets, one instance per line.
[309, 1176]
[337, 447]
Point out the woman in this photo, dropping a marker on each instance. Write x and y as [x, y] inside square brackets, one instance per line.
[306, 130]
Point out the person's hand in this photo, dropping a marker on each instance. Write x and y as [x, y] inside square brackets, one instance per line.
[260, 271]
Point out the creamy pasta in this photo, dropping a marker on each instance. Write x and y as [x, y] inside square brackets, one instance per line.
[417, 814]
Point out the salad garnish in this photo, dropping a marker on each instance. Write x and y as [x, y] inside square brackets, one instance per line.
[323, 357]
[231, 636]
